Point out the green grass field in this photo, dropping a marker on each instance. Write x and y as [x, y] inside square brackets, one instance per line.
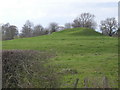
[79, 53]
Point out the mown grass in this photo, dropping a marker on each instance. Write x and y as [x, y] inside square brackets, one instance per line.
[86, 53]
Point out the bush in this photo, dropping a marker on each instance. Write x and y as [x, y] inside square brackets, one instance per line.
[26, 69]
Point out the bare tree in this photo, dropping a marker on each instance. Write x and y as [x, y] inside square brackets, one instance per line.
[27, 29]
[76, 23]
[0, 32]
[4, 30]
[53, 27]
[109, 26]
[46, 31]
[85, 20]
[68, 25]
[118, 32]
[9, 31]
[38, 30]
[13, 31]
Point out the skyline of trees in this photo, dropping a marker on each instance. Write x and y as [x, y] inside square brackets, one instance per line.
[108, 26]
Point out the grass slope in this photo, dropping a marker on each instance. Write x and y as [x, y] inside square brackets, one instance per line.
[80, 53]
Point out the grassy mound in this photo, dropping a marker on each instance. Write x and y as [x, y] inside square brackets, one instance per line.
[80, 53]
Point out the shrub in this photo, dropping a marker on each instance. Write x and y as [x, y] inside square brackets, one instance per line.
[26, 69]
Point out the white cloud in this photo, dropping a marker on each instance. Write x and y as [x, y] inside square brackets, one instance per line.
[45, 11]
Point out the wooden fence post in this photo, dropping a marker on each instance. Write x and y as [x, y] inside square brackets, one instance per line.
[86, 82]
[76, 83]
[105, 82]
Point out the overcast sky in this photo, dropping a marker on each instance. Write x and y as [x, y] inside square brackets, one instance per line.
[43, 12]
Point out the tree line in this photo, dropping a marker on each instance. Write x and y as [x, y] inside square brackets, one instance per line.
[108, 27]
